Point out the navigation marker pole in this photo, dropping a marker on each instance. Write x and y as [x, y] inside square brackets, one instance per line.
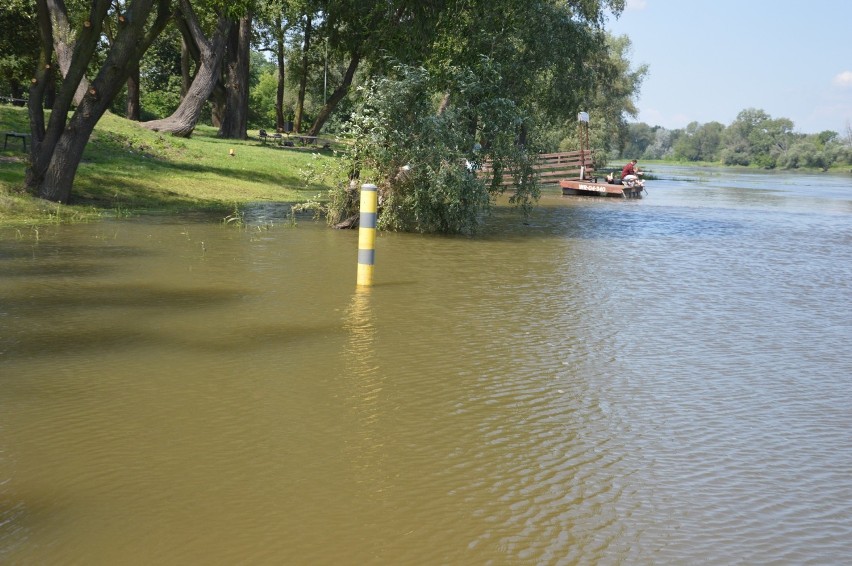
[367, 234]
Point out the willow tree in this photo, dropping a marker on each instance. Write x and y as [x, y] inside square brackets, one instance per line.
[493, 75]
[58, 143]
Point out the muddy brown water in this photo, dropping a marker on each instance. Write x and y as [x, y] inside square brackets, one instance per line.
[613, 382]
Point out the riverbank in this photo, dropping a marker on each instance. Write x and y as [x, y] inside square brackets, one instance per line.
[127, 169]
[649, 163]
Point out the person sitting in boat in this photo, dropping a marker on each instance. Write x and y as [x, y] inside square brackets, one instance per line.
[630, 174]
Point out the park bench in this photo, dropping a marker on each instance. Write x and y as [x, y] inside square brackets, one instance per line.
[14, 135]
[13, 101]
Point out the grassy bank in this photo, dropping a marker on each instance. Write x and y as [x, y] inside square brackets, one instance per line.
[127, 169]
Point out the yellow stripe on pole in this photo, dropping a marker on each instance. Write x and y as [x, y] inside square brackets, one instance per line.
[367, 234]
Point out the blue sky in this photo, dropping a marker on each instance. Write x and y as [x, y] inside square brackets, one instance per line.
[710, 59]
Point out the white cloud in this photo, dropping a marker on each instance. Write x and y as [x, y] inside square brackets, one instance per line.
[844, 79]
[635, 5]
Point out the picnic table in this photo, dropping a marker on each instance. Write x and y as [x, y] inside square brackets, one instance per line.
[301, 139]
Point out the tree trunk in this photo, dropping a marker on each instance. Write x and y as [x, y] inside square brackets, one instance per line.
[336, 96]
[217, 101]
[235, 119]
[303, 80]
[445, 103]
[133, 107]
[50, 91]
[57, 147]
[189, 53]
[182, 122]
[185, 68]
[63, 44]
[279, 93]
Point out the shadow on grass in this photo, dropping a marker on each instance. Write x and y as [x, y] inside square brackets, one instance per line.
[117, 182]
[113, 176]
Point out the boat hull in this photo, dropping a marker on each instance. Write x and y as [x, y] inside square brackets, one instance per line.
[589, 188]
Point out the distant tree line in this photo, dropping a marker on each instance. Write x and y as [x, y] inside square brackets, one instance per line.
[753, 138]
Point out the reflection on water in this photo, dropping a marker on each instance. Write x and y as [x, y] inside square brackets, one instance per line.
[654, 381]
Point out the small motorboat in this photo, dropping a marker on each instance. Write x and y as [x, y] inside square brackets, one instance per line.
[587, 184]
[589, 187]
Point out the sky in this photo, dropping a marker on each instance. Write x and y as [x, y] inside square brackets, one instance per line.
[710, 59]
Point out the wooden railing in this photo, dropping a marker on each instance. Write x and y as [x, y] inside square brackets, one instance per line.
[553, 167]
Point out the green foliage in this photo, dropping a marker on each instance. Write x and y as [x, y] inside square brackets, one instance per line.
[424, 162]
[637, 137]
[662, 145]
[262, 101]
[19, 46]
[160, 102]
[161, 62]
[612, 91]
[753, 139]
[699, 142]
[819, 151]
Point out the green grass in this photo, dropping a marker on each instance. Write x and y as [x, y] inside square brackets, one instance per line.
[127, 169]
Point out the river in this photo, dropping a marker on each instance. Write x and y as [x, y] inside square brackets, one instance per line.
[660, 381]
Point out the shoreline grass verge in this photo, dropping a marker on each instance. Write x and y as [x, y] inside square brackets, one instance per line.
[127, 169]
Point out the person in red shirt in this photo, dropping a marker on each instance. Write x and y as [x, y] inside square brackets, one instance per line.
[630, 175]
[629, 169]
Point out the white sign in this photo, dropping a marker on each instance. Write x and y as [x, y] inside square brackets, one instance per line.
[583, 117]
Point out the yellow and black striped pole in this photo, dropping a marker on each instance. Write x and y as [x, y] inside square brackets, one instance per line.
[367, 233]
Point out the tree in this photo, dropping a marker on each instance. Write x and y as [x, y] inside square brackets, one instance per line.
[610, 99]
[492, 76]
[57, 145]
[161, 75]
[132, 106]
[274, 23]
[378, 33]
[64, 45]
[263, 92]
[423, 162]
[210, 53]
[822, 150]
[306, 20]
[755, 138]
[699, 142]
[663, 144]
[235, 118]
[636, 141]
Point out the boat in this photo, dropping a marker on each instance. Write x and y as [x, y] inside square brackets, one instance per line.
[589, 187]
[586, 184]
